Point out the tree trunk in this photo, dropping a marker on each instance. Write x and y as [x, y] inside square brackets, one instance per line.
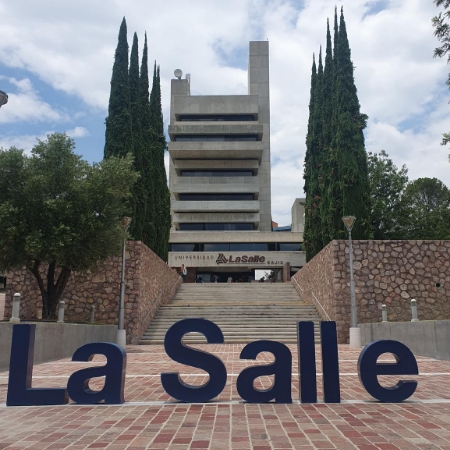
[51, 294]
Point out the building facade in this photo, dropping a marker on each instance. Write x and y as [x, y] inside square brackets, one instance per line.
[219, 179]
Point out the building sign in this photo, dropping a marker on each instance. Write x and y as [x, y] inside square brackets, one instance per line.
[20, 392]
[207, 259]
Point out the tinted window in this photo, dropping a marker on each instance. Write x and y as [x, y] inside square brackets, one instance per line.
[217, 118]
[216, 226]
[213, 137]
[216, 247]
[183, 247]
[289, 247]
[216, 173]
[191, 226]
[217, 197]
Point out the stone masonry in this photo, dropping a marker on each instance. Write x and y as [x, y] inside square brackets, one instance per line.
[385, 272]
[149, 284]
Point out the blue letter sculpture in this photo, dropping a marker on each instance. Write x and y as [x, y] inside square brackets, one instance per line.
[20, 392]
[281, 368]
[307, 362]
[368, 369]
[175, 349]
[330, 362]
[113, 371]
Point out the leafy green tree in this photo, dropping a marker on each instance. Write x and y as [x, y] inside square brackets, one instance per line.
[427, 201]
[59, 213]
[442, 32]
[118, 135]
[387, 186]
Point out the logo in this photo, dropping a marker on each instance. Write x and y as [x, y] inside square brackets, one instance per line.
[221, 259]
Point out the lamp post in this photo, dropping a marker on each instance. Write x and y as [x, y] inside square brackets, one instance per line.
[121, 337]
[3, 98]
[355, 334]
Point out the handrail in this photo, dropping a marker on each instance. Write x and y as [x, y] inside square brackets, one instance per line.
[314, 295]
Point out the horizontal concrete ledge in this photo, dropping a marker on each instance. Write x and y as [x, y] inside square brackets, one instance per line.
[237, 187]
[211, 128]
[56, 340]
[240, 150]
[215, 104]
[215, 206]
[200, 164]
[215, 218]
[180, 237]
[426, 338]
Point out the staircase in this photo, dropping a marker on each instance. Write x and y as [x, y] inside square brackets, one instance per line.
[245, 312]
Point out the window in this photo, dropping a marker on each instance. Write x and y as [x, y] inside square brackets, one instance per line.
[214, 137]
[183, 247]
[219, 247]
[216, 197]
[289, 247]
[216, 226]
[216, 173]
[217, 118]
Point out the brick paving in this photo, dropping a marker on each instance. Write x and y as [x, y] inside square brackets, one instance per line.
[152, 420]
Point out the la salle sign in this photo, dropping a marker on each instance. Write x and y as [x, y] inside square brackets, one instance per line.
[20, 392]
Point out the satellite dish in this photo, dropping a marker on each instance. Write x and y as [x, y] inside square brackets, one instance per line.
[178, 73]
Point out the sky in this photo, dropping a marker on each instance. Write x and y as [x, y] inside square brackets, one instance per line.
[56, 61]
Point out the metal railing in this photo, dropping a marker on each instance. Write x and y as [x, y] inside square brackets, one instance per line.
[315, 298]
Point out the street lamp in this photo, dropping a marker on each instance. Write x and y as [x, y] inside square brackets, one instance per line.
[355, 333]
[3, 98]
[121, 337]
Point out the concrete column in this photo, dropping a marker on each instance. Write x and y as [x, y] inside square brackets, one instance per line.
[384, 313]
[92, 314]
[414, 311]
[61, 311]
[15, 317]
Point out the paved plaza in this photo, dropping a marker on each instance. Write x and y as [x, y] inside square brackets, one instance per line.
[152, 420]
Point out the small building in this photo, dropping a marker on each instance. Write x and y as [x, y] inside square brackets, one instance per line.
[219, 181]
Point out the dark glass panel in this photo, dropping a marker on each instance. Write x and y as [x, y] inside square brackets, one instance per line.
[219, 247]
[191, 226]
[183, 247]
[289, 247]
[217, 138]
[215, 197]
[217, 118]
[216, 173]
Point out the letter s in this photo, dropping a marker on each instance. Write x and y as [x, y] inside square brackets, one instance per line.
[183, 354]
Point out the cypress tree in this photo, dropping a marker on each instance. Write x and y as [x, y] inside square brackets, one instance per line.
[162, 195]
[149, 233]
[118, 135]
[308, 172]
[325, 169]
[139, 192]
[313, 196]
[353, 185]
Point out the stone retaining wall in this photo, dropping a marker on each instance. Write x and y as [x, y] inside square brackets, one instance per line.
[385, 272]
[149, 284]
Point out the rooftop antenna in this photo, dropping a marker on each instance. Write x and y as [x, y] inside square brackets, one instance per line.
[178, 73]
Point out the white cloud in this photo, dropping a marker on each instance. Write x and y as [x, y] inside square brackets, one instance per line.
[77, 132]
[70, 45]
[27, 106]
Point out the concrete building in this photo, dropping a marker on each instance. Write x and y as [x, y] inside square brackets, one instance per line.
[219, 179]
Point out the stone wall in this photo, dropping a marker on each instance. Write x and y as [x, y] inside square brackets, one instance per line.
[149, 284]
[385, 272]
